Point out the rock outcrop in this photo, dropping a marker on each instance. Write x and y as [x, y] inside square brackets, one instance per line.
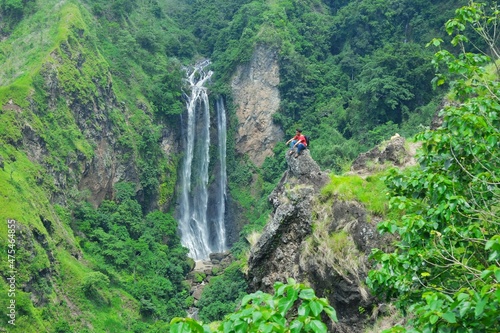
[201, 274]
[396, 152]
[275, 257]
[89, 113]
[256, 95]
[323, 242]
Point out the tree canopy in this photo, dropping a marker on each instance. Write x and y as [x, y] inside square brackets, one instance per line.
[445, 271]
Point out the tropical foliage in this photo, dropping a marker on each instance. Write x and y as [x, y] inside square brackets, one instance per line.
[141, 253]
[352, 73]
[223, 294]
[445, 270]
[293, 308]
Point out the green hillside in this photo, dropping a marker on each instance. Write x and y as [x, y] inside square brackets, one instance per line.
[65, 278]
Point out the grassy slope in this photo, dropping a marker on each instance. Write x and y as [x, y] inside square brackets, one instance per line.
[46, 262]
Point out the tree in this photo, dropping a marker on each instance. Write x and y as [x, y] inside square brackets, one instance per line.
[93, 283]
[446, 266]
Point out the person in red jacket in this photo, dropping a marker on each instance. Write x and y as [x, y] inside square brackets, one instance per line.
[298, 141]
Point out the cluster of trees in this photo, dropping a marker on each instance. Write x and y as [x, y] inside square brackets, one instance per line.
[141, 253]
[361, 68]
[446, 267]
[223, 294]
[11, 13]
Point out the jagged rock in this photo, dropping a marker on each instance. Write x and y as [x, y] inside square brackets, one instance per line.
[353, 215]
[198, 290]
[275, 256]
[396, 152]
[288, 246]
[218, 256]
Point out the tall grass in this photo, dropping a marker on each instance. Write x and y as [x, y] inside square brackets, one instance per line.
[33, 39]
[371, 192]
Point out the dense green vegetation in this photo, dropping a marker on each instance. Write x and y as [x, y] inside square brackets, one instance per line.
[293, 308]
[78, 267]
[141, 253]
[223, 294]
[352, 74]
[446, 267]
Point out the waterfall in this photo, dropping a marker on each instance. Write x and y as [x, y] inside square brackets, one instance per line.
[220, 228]
[198, 234]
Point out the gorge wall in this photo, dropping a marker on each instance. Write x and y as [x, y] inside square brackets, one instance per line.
[256, 96]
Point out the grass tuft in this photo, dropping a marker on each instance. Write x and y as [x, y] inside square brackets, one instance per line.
[370, 191]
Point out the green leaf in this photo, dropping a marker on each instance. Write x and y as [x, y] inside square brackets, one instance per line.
[292, 294]
[303, 310]
[246, 299]
[177, 327]
[450, 317]
[256, 316]
[330, 311]
[307, 293]
[280, 288]
[433, 319]
[241, 327]
[265, 328]
[486, 273]
[480, 307]
[316, 307]
[435, 42]
[317, 326]
[228, 327]
[185, 325]
[284, 305]
[296, 326]
[465, 308]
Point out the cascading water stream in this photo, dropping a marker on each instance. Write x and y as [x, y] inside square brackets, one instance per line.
[220, 228]
[199, 235]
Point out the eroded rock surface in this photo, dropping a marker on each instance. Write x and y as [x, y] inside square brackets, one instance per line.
[256, 95]
[322, 242]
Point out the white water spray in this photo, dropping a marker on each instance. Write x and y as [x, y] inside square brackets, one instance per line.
[220, 228]
[197, 234]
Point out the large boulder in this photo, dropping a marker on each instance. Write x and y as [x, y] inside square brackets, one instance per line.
[394, 152]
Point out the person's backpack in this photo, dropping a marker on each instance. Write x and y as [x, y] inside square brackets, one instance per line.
[307, 140]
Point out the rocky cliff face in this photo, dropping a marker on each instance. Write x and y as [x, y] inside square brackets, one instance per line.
[321, 242]
[75, 95]
[256, 95]
[276, 255]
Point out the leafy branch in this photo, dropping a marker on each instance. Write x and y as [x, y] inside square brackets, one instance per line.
[262, 312]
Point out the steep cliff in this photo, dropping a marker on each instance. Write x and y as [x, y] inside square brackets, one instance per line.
[322, 237]
[256, 95]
